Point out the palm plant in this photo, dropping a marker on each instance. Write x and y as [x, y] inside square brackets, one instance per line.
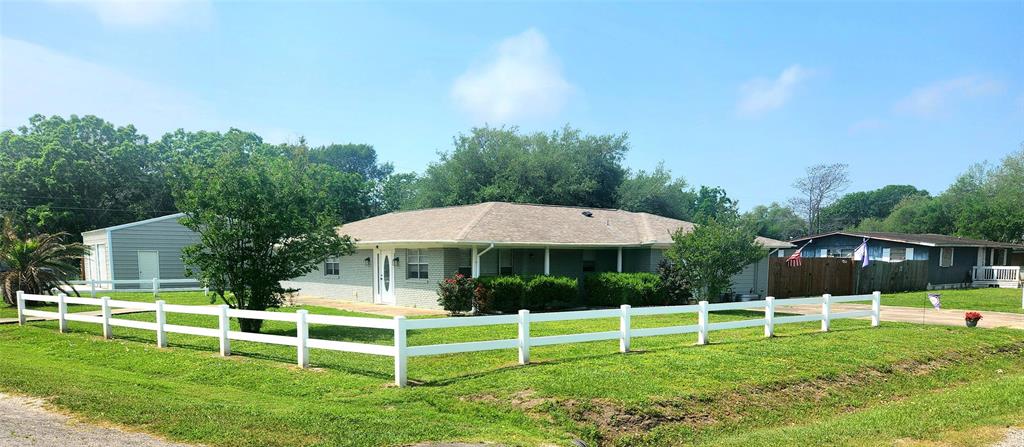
[35, 264]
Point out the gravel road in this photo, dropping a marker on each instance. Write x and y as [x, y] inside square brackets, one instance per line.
[24, 422]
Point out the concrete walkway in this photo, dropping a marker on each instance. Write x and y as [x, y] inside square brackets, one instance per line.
[946, 317]
[368, 308]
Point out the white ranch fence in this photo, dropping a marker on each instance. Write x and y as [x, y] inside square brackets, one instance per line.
[142, 285]
[400, 350]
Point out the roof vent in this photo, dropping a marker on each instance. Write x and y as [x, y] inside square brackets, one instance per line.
[588, 214]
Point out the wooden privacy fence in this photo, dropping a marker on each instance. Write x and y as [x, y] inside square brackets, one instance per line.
[844, 276]
[401, 351]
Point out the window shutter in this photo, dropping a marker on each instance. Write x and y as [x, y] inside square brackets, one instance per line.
[910, 254]
[885, 254]
[822, 252]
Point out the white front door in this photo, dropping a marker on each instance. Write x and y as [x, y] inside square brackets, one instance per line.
[149, 265]
[384, 272]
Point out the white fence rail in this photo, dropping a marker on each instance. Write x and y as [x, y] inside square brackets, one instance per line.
[401, 351]
[156, 285]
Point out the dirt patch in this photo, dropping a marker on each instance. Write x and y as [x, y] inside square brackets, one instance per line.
[612, 420]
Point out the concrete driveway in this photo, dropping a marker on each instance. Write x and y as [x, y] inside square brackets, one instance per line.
[947, 317]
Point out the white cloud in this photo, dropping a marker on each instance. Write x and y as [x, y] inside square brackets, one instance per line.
[146, 13]
[939, 97]
[761, 95]
[36, 79]
[523, 79]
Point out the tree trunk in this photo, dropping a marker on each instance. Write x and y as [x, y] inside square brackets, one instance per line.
[249, 324]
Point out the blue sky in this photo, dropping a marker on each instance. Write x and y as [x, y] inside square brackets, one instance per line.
[738, 95]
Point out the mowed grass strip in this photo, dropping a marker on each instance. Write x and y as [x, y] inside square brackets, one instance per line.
[660, 395]
[987, 299]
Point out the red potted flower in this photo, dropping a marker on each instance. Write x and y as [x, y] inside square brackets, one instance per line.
[971, 318]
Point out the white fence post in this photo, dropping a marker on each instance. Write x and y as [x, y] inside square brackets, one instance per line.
[206, 291]
[624, 326]
[302, 332]
[161, 321]
[769, 316]
[62, 310]
[92, 288]
[401, 359]
[826, 310]
[876, 308]
[156, 286]
[702, 324]
[524, 336]
[225, 326]
[21, 308]
[105, 306]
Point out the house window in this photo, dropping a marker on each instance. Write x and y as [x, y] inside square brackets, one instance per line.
[839, 253]
[332, 267]
[897, 254]
[589, 261]
[465, 262]
[416, 265]
[946, 257]
[505, 262]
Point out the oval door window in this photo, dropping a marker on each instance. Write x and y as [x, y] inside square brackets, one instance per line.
[387, 274]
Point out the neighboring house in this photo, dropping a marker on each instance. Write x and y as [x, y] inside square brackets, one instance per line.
[952, 261]
[139, 250]
[400, 257]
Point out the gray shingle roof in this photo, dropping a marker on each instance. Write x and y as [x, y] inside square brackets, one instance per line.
[522, 224]
[928, 239]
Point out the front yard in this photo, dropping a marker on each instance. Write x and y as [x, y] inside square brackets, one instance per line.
[853, 386]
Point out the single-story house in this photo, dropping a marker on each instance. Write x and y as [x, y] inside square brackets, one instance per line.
[400, 257]
[953, 262]
[139, 250]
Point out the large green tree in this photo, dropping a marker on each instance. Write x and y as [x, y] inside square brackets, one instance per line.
[80, 173]
[712, 253]
[264, 214]
[563, 167]
[657, 192]
[852, 208]
[775, 221]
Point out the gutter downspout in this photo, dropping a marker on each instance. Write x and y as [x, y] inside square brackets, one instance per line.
[476, 259]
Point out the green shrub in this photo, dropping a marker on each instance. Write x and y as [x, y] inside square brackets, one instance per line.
[456, 294]
[614, 289]
[505, 292]
[551, 292]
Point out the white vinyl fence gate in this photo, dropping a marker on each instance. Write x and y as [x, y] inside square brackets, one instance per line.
[401, 352]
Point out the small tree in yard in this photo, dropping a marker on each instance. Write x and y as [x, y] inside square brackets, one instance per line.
[264, 214]
[35, 264]
[711, 254]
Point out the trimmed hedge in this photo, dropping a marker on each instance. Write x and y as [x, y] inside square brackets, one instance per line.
[551, 292]
[615, 289]
[508, 294]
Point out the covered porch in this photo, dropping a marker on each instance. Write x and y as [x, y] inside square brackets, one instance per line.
[996, 276]
[571, 261]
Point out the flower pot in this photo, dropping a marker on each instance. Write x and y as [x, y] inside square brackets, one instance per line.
[971, 323]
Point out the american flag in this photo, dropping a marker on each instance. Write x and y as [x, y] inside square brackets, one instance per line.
[794, 259]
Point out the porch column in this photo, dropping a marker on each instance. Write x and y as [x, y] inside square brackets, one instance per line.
[618, 261]
[475, 263]
[547, 261]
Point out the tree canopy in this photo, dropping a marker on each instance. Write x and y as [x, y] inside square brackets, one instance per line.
[264, 214]
[563, 167]
[80, 173]
[712, 253]
[852, 208]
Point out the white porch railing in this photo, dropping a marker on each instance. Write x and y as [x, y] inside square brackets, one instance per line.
[401, 351]
[1007, 276]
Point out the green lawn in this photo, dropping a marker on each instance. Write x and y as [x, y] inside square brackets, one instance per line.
[990, 299]
[853, 386]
